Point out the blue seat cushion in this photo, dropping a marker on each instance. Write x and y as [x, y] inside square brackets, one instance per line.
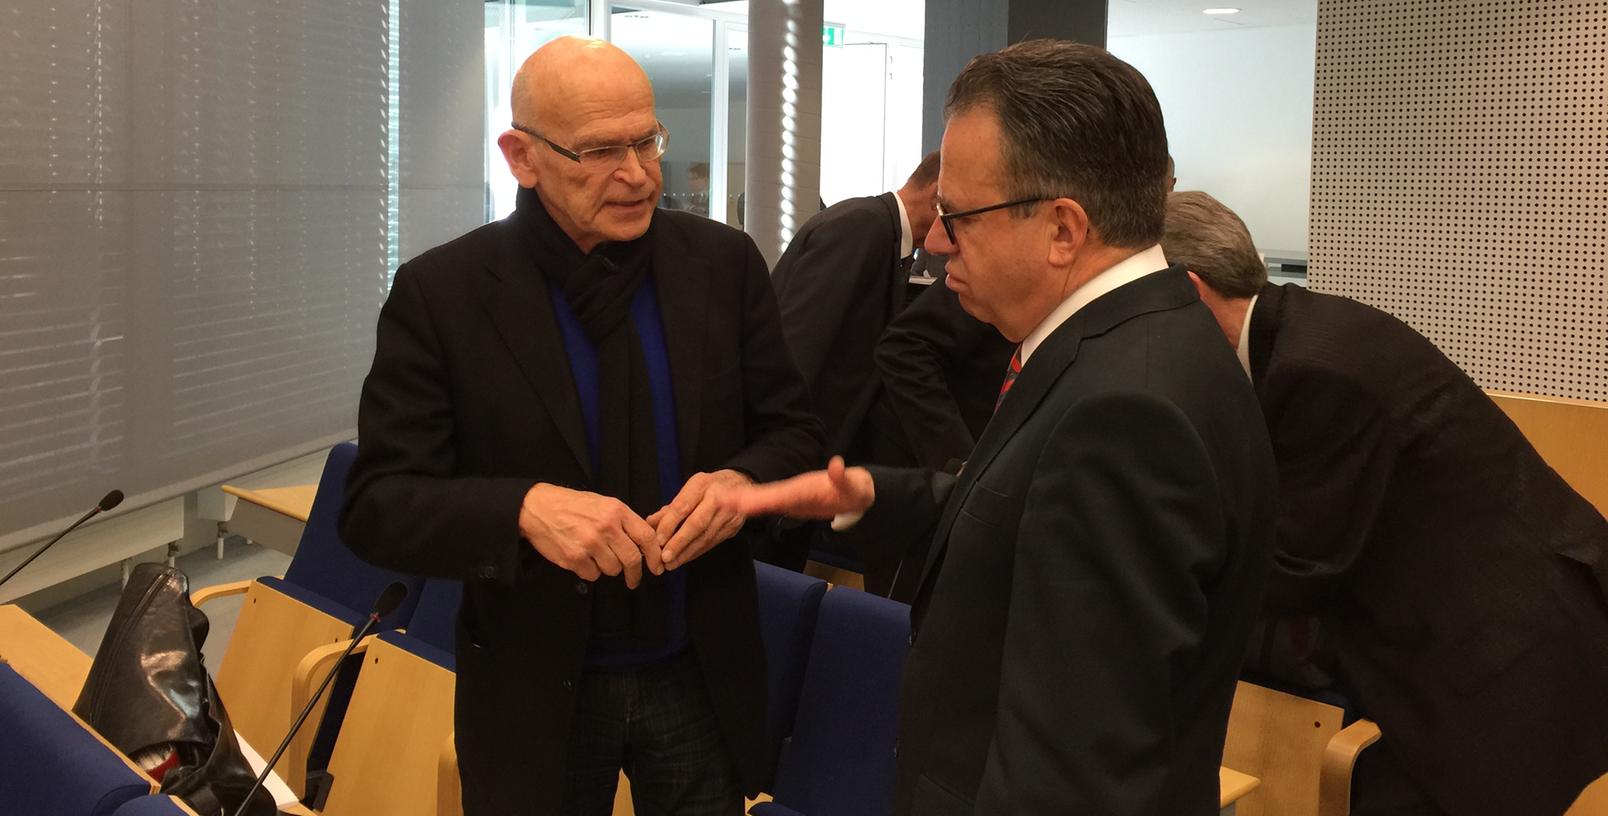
[325, 567]
[50, 764]
[788, 602]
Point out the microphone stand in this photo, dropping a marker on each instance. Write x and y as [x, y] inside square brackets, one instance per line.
[368, 625]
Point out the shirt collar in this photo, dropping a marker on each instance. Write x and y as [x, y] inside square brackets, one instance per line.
[907, 240]
[1243, 350]
[1127, 271]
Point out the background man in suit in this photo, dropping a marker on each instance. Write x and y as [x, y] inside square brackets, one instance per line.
[555, 402]
[1097, 565]
[840, 281]
[1461, 584]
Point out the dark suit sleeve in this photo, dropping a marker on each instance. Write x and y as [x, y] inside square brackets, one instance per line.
[1121, 526]
[904, 514]
[784, 435]
[404, 509]
[819, 279]
[1335, 454]
[915, 351]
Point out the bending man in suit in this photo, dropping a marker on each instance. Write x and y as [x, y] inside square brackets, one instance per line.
[556, 400]
[1098, 563]
[1461, 585]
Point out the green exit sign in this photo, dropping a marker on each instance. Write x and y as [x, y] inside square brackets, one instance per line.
[832, 35]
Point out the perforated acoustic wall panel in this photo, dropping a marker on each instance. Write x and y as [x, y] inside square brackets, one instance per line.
[1460, 180]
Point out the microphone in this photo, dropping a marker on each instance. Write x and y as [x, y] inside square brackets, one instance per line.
[107, 502]
[387, 603]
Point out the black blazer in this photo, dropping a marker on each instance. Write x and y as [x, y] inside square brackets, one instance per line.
[1462, 583]
[838, 284]
[1095, 573]
[941, 370]
[470, 402]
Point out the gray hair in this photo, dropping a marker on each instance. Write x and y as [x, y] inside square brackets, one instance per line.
[1212, 242]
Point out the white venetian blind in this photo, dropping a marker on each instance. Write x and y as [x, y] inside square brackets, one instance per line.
[194, 234]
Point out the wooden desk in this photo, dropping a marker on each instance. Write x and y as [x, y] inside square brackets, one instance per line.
[42, 657]
[1231, 787]
[273, 517]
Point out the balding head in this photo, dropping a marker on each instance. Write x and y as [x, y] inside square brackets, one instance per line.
[571, 96]
[576, 69]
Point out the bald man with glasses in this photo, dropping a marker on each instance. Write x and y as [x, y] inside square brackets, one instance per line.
[557, 401]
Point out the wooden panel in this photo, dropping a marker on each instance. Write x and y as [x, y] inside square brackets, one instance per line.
[41, 656]
[386, 759]
[1594, 801]
[1280, 739]
[272, 634]
[1232, 786]
[295, 501]
[1572, 435]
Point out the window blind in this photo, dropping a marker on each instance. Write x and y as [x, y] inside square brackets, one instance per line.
[196, 232]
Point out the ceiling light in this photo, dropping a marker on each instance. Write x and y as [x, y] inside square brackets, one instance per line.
[1220, 11]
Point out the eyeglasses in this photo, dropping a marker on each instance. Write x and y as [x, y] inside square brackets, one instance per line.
[948, 219]
[605, 159]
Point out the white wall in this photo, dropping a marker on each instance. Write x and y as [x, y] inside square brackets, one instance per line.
[1239, 120]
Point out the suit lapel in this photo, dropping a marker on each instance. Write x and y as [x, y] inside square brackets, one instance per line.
[1168, 289]
[683, 286]
[522, 311]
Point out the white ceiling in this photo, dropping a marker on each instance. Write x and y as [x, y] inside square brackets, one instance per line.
[1130, 18]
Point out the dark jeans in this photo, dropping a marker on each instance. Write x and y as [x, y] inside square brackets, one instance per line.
[659, 727]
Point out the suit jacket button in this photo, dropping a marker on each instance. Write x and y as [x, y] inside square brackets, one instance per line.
[567, 684]
[581, 588]
[910, 641]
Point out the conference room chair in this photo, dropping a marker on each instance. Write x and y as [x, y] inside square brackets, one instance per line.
[325, 594]
[839, 758]
[52, 764]
[788, 606]
[1300, 749]
[388, 748]
[154, 806]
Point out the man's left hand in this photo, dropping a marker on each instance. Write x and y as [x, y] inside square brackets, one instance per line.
[696, 520]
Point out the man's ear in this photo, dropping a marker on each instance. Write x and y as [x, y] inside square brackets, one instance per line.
[516, 149]
[1071, 231]
[1200, 286]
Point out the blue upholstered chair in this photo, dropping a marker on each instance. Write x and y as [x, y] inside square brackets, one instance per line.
[788, 604]
[326, 592]
[51, 764]
[839, 759]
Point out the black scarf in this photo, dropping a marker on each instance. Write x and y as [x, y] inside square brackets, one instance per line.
[599, 286]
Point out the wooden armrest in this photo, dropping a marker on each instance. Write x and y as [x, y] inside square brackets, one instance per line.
[215, 591]
[1339, 758]
[449, 788]
[304, 681]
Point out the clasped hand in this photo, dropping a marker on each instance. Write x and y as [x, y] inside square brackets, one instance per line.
[593, 535]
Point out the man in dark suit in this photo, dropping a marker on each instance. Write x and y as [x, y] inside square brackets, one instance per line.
[556, 400]
[841, 280]
[838, 284]
[1461, 585]
[1098, 563]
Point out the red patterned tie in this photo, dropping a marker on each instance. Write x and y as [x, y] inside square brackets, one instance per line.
[1010, 377]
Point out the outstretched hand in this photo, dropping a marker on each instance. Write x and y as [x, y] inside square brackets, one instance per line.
[820, 494]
